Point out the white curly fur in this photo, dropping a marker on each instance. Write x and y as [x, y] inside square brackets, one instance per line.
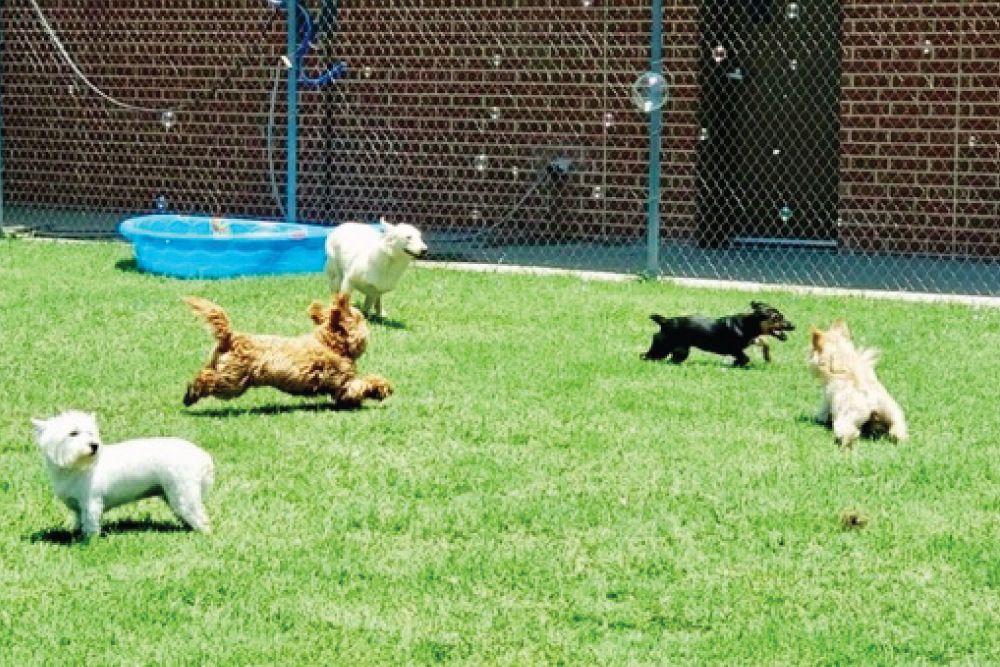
[90, 477]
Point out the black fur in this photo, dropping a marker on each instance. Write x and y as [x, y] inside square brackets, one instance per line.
[728, 336]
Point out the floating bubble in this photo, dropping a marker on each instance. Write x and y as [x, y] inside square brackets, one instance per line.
[973, 140]
[703, 134]
[72, 89]
[168, 118]
[497, 59]
[587, 3]
[793, 64]
[276, 4]
[367, 72]
[719, 53]
[609, 119]
[515, 172]
[161, 203]
[476, 215]
[649, 92]
[792, 11]
[494, 113]
[480, 162]
[597, 192]
[776, 151]
[785, 213]
[927, 48]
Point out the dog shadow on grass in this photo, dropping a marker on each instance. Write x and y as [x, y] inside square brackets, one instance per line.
[66, 536]
[127, 266]
[387, 322]
[328, 406]
[868, 431]
[710, 363]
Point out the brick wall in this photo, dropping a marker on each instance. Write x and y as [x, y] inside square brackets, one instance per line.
[919, 129]
[455, 112]
[433, 86]
[66, 148]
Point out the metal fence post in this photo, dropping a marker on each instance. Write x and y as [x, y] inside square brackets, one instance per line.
[655, 122]
[291, 155]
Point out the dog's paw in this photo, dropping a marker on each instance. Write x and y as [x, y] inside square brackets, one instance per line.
[190, 397]
[378, 388]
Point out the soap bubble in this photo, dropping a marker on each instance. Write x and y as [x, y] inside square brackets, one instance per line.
[480, 162]
[719, 53]
[649, 92]
[161, 203]
[609, 119]
[973, 140]
[168, 118]
[494, 113]
[926, 48]
[515, 172]
[367, 72]
[793, 64]
[497, 59]
[597, 192]
[476, 215]
[792, 11]
[72, 89]
[703, 134]
[775, 151]
[587, 3]
[785, 213]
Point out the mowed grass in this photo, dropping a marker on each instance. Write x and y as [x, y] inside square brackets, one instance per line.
[533, 493]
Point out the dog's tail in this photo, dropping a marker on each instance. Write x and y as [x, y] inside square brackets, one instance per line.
[214, 316]
[659, 319]
[869, 356]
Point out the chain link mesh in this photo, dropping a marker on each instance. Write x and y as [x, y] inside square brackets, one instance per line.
[821, 142]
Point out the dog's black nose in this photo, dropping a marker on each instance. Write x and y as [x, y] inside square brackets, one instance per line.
[93, 447]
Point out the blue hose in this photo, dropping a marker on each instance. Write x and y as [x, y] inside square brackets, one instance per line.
[333, 73]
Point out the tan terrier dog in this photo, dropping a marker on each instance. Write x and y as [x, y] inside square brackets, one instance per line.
[852, 395]
[322, 362]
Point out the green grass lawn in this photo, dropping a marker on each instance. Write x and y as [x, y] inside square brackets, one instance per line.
[532, 493]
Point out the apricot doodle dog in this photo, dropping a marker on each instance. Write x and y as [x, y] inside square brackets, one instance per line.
[319, 363]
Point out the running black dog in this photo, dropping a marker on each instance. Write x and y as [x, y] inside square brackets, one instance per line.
[727, 335]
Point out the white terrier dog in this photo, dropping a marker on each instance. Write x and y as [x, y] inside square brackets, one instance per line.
[361, 257]
[91, 477]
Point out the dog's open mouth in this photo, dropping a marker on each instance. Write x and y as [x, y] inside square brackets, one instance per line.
[779, 332]
[416, 255]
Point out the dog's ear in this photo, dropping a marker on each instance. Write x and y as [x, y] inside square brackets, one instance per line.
[816, 338]
[342, 301]
[841, 326]
[341, 307]
[386, 225]
[38, 425]
[316, 313]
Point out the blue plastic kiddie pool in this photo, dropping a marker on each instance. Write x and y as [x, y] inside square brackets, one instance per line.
[189, 246]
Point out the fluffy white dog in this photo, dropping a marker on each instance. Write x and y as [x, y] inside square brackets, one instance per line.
[359, 257]
[91, 477]
[853, 397]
